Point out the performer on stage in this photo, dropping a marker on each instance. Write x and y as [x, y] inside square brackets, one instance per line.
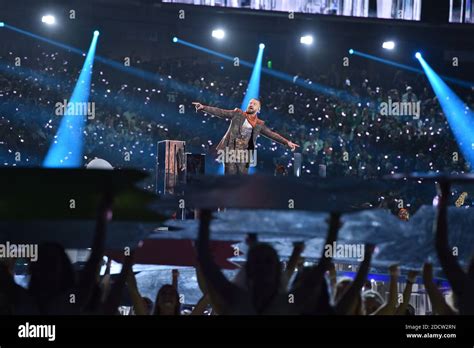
[242, 133]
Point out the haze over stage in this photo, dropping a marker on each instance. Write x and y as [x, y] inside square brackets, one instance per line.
[270, 192]
[280, 210]
[408, 243]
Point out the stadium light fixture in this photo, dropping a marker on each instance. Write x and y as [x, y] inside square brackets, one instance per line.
[306, 40]
[388, 45]
[261, 46]
[417, 55]
[351, 51]
[218, 34]
[48, 19]
[96, 33]
[175, 39]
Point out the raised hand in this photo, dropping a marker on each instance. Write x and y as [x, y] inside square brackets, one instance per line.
[427, 273]
[113, 300]
[443, 188]
[90, 274]
[295, 258]
[436, 297]
[307, 292]
[348, 301]
[411, 279]
[175, 277]
[390, 307]
[411, 276]
[462, 285]
[225, 296]
[394, 270]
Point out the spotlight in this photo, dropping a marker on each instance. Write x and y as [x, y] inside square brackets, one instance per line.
[261, 46]
[417, 55]
[218, 34]
[351, 51]
[96, 33]
[2, 24]
[48, 19]
[388, 45]
[306, 40]
[175, 39]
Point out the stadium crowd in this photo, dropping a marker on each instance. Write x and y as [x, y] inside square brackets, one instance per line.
[343, 131]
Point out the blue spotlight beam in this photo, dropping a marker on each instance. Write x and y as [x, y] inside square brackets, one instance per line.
[67, 148]
[253, 88]
[152, 77]
[386, 61]
[458, 114]
[44, 39]
[466, 84]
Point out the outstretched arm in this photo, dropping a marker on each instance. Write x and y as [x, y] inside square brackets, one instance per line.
[105, 281]
[89, 276]
[438, 302]
[267, 132]
[306, 295]
[112, 302]
[221, 113]
[137, 300]
[175, 278]
[332, 279]
[455, 274]
[390, 307]
[348, 301]
[205, 300]
[411, 279]
[223, 294]
[292, 264]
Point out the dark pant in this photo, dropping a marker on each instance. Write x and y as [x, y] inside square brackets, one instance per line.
[236, 168]
[241, 165]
